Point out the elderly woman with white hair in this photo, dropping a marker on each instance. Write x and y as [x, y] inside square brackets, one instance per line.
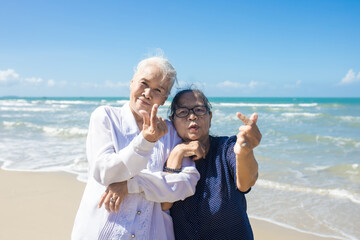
[128, 146]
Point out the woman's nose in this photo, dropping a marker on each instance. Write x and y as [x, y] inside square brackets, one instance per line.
[147, 93]
[192, 115]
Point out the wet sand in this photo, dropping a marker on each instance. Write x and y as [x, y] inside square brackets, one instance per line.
[43, 206]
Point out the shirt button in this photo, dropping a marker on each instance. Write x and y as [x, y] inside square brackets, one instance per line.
[138, 212]
[132, 235]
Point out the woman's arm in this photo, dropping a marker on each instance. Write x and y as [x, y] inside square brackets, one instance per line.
[248, 138]
[109, 164]
[170, 186]
[193, 149]
[157, 186]
[163, 186]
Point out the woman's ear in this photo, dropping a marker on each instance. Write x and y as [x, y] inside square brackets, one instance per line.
[210, 115]
[131, 83]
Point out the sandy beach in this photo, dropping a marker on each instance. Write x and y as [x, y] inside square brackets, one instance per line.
[43, 206]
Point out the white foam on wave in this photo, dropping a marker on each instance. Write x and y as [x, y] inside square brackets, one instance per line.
[121, 102]
[60, 106]
[16, 103]
[339, 141]
[284, 225]
[317, 168]
[53, 131]
[74, 131]
[303, 114]
[19, 124]
[285, 105]
[336, 193]
[350, 118]
[308, 104]
[71, 102]
[18, 109]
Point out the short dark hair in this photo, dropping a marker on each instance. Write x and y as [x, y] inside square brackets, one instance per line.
[175, 101]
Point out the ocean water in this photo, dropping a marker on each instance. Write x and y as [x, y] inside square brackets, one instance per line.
[309, 157]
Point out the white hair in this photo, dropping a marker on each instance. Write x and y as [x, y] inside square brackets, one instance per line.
[167, 70]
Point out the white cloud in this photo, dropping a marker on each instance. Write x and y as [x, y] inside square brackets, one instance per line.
[350, 77]
[9, 77]
[33, 80]
[232, 85]
[228, 84]
[51, 83]
[296, 85]
[111, 84]
[253, 84]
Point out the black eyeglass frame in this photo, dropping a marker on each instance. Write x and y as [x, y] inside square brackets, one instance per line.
[192, 110]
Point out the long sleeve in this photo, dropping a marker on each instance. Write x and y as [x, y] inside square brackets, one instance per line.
[166, 187]
[108, 163]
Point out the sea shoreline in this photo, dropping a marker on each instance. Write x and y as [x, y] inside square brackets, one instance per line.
[44, 204]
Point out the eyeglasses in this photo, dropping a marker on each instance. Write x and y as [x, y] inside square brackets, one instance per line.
[183, 112]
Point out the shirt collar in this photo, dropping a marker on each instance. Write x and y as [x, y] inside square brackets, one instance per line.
[129, 122]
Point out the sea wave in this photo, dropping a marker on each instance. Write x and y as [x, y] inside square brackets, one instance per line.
[308, 104]
[60, 105]
[52, 131]
[17, 103]
[19, 109]
[350, 118]
[122, 102]
[352, 170]
[338, 141]
[288, 226]
[71, 102]
[303, 114]
[66, 132]
[335, 193]
[285, 105]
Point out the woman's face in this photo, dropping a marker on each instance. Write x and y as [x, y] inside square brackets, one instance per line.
[192, 127]
[146, 89]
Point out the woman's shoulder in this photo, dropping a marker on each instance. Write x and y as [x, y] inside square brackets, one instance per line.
[171, 134]
[222, 141]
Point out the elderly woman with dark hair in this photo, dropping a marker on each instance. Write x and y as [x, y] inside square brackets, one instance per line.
[227, 168]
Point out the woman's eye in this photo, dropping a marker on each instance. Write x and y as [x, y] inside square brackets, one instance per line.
[200, 110]
[182, 111]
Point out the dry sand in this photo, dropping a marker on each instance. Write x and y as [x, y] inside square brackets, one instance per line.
[43, 206]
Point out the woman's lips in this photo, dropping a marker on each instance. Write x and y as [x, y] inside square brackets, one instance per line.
[143, 102]
[193, 127]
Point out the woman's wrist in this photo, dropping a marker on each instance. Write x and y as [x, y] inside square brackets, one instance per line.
[175, 158]
[172, 170]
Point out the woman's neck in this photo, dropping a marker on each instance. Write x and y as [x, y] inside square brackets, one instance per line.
[138, 118]
[206, 143]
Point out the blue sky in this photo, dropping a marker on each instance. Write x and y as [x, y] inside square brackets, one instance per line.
[227, 48]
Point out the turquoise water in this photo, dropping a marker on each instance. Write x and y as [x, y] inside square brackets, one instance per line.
[309, 157]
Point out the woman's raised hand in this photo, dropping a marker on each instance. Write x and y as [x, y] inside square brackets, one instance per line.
[249, 135]
[194, 149]
[154, 127]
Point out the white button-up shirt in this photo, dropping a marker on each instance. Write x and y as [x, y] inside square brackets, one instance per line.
[117, 151]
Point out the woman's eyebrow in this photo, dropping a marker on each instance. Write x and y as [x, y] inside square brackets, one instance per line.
[147, 81]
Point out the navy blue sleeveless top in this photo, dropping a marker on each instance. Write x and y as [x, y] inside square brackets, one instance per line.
[218, 209]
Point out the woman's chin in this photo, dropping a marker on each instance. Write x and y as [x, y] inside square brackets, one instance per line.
[193, 137]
